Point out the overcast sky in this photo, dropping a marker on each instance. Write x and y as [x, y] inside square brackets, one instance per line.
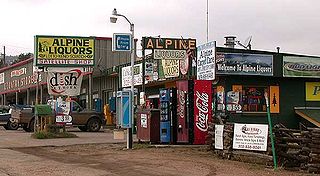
[293, 25]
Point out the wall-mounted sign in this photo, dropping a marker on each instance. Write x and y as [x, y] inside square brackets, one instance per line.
[169, 54]
[312, 91]
[274, 99]
[244, 64]
[169, 69]
[19, 72]
[21, 82]
[144, 121]
[64, 81]
[126, 75]
[1, 78]
[61, 51]
[168, 43]
[121, 42]
[250, 137]
[206, 54]
[298, 66]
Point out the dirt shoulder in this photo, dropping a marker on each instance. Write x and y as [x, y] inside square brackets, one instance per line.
[112, 159]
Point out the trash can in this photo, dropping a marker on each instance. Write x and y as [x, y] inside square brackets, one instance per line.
[148, 125]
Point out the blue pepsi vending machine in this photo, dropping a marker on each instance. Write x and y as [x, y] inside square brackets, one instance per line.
[165, 131]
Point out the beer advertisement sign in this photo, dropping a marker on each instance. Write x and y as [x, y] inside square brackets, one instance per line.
[298, 66]
[64, 51]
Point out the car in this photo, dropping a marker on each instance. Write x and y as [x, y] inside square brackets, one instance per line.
[85, 120]
[5, 115]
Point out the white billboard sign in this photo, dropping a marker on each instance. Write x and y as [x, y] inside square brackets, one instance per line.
[250, 137]
[64, 81]
[206, 56]
[126, 75]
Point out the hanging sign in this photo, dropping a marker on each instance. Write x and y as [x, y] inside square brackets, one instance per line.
[127, 78]
[64, 81]
[206, 54]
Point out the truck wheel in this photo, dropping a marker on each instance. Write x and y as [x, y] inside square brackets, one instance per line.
[12, 126]
[83, 128]
[93, 125]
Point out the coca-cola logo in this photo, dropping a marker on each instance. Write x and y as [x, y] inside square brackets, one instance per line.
[202, 104]
[182, 101]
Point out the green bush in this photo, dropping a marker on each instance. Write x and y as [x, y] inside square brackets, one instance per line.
[50, 135]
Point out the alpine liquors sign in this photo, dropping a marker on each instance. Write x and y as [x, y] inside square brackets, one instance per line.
[244, 64]
[60, 51]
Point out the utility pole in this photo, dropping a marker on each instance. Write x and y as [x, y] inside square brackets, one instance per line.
[4, 56]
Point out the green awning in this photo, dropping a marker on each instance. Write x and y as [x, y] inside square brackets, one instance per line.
[311, 114]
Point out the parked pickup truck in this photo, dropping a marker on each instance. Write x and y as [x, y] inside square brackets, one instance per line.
[5, 114]
[85, 120]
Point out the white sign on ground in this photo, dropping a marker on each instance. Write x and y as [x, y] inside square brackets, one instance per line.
[218, 137]
[250, 137]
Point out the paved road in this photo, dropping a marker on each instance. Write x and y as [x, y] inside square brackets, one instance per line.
[20, 138]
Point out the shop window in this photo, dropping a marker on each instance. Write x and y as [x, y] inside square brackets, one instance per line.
[253, 99]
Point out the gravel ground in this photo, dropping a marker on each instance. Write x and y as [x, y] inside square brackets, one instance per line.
[113, 159]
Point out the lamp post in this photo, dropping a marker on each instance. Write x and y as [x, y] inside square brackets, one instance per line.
[113, 19]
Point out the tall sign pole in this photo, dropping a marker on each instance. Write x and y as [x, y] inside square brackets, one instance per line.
[271, 133]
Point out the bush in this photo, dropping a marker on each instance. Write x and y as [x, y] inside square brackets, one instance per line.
[50, 135]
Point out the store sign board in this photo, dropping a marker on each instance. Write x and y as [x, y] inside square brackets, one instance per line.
[250, 137]
[244, 64]
[206, 55]
[19, 72]
[169, 69]
[299, 66]
[127, 78]
[169, 54]
[64, 81]
[168, 43]
[61, 51]
[202, 109]
[312, 91]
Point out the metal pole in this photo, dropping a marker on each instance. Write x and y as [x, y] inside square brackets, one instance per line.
[90, 92]
[143, 65]
[36, 103]
[271, 133]
[129, 132]
[207, 20]
[17, 98]
[4, 55]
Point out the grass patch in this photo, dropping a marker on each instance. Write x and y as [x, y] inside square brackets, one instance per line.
[50, 135]
[141, 146]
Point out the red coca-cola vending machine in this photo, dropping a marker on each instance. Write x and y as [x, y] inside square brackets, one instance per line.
[202, 110]
[182, 115]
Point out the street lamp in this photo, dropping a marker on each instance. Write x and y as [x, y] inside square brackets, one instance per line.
[113, 19]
